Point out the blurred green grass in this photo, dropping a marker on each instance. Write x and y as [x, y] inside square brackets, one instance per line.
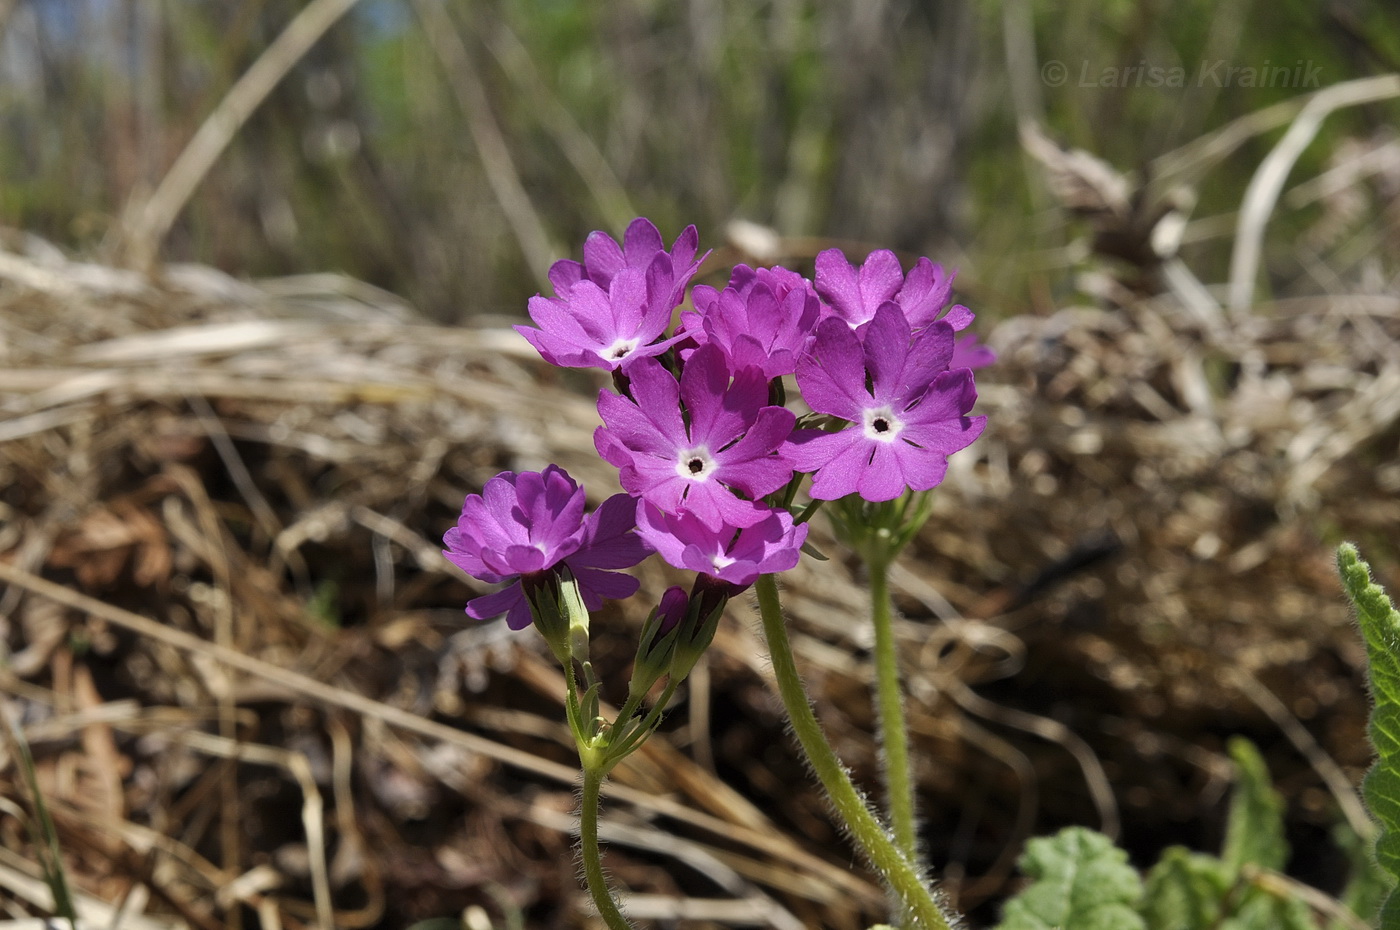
[888, 123]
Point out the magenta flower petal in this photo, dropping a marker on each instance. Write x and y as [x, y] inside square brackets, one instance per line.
[564, 274]
[603, 257]
[882, 477]
[837, 282]
[756, 471]
[642, 238]
[926, 293]
[842, 472]
[720, 408]
[886, 345]
[855, 295]
[832, 376]
[968, 352]
[510, 601]
[609, 540]
[596, 585]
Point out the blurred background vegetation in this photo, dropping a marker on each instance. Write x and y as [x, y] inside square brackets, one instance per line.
[446, 151]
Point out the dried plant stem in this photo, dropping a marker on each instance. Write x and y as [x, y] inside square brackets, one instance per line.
[894, 732]
[1268, 180]
[898, 871]
[593, 775]
[147, 224]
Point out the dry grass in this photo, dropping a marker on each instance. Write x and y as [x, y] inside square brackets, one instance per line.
[254, 699]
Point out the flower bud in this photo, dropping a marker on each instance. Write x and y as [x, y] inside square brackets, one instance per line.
[658, 641]
[558, 611]
[708, 598]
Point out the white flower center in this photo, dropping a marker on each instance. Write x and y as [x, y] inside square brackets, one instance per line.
[881, 424]
[696, 464]
[620, 349]
[720, 561]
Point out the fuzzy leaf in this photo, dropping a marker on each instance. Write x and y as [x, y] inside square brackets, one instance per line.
[1254, 831]
[1184, 891]
[1080, 881]
[1380, 625]
[1367, 883]
[1260, 910]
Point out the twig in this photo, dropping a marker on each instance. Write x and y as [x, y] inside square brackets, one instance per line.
[767, 840]
[1095, 779]
[1268, 180]
[147, 224]
[1323, 764]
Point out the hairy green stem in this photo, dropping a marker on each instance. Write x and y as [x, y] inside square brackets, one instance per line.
[593, 776]
[897, 869]
[894, 732]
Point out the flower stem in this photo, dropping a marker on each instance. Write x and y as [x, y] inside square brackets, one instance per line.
[897, 869]
[894, 733]
[593, 775]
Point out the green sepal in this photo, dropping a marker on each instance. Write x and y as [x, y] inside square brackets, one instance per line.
[879, 531]
[556, 604]
[1080, 880]
[698, 628]
[654, 652]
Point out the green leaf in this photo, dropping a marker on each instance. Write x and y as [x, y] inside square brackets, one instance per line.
[1254, 831]
[1380, 625]
[1367, 883]
[1261, 910]
[1184, 891]
[1081, 881]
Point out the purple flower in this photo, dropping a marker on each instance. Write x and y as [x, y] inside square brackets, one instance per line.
[724, 442]
[527, 523]
[903, 427]
[755, 326]
[771, 545]
[613, 308]
[590, 327]
[854, 295]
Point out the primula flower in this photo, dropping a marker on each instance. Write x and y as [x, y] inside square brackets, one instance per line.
[725, 442]
[603, 258]
[903, 427]
[771, 545]
[756, 325]
[854, 295]
[528, 523]
[612, 309]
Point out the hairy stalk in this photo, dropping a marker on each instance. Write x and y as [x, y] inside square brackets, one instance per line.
[593, 776]
[894, 733]
[898, 871]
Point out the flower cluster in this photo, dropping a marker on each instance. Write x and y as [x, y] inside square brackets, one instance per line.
[697, 425]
